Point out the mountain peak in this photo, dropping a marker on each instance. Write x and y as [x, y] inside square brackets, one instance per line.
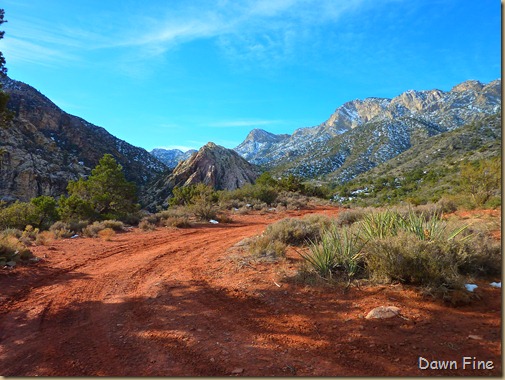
[473, 85]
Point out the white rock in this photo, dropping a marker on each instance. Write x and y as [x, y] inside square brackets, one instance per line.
[213, 221]
[471, 287]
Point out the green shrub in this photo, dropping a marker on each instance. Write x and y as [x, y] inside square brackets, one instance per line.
[45, 210]
[18, 215]
[204, 210]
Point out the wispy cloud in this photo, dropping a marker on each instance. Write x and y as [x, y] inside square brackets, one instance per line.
[254, 32]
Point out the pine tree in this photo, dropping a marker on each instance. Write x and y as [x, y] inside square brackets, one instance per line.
[106, 194]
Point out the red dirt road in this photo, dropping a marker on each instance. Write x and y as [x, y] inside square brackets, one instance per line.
[182, 303]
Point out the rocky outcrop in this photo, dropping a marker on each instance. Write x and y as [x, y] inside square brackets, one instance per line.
[43, 148]
[216, 166]
[213, 165]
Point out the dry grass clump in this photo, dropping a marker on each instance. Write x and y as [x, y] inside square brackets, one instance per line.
[349, 217]
[146, 225]
[13, 251]
[106, 234]
[262, 246]
[61, 230]
[297, 231]
[44, 237]
[93, 230]
[176, 221]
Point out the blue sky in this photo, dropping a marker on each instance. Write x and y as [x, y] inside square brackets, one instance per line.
[177, 74]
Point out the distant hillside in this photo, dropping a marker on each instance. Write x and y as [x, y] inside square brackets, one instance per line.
[430, 169]
[172, 157]
[43, 148]
[213, 165]
[362, 134]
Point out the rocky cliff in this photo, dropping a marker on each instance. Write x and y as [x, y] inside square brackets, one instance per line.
[213, 165]
[43, 148]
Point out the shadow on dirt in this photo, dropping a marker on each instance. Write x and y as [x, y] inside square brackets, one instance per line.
[194, 329]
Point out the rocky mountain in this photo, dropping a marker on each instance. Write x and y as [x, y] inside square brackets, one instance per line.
[213, 165]
[258, 141]
[43, 148]
[171, 157]
[361, 134]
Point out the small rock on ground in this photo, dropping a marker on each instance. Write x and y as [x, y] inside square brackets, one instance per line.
[383, 312]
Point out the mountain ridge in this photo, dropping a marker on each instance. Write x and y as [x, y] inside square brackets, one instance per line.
[43, 147]
[407, 114]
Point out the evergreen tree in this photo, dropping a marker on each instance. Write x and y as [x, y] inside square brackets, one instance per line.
[5, 115]
[106, 194]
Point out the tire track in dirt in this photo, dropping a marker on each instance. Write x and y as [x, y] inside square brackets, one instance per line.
[115, 276]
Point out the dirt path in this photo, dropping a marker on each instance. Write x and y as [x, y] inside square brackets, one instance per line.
[179, 303]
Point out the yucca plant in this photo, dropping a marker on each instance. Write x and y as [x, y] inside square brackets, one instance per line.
[429, 228]
[348, 247]
[321, 257]
[380, 224]
[339, 248]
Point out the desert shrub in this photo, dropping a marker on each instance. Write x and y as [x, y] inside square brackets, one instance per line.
[263, 246]
[260, 206]
[11, 249]
[29, 235]
[203, 210]
[92, 230]
[146, 225]
[115, 225]
[482, 256]
[447, 205]
[11, 232]
[407, 259]
[224, 218]
[61, 230]
[152, 219]
[188, 195]
[297, 231]
[176, 221]
[106, 234]
[18, 215]
[44, 237]
[45, 210]
[481, 179]
[348, 217]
